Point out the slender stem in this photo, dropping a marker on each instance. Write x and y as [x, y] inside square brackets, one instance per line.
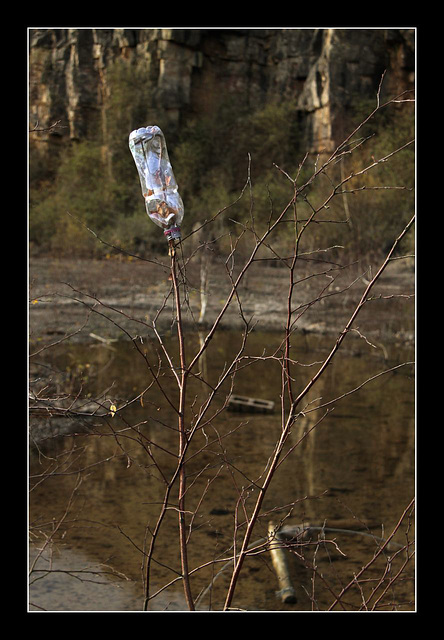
[370, 562]
[289, 311]
[238, 561]
[182, 435]
[151, 549]
[358, 308]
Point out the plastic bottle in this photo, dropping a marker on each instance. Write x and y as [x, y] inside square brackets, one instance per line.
[159, 187]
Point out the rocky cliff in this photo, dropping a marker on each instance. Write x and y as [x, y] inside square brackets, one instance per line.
[188, 71]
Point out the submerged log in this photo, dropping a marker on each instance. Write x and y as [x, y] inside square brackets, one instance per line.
[307, 531]
[286, 592]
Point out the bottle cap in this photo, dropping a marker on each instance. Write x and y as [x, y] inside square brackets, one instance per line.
[172, 233]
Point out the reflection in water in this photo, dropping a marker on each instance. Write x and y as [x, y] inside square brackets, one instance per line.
[356, 463]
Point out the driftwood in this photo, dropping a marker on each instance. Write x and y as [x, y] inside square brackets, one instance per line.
[106, 341]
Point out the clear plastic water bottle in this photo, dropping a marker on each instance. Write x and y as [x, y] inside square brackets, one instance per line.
[159, 187]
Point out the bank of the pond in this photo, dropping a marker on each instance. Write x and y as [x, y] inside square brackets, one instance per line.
[94, 300]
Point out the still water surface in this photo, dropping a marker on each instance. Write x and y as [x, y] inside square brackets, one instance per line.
[356, 465]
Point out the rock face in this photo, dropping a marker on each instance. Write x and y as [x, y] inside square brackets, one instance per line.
[190, 70]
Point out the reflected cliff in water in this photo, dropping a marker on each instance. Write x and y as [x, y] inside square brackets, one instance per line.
[356, 463]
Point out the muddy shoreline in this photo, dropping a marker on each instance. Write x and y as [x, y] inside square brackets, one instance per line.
[90, 300]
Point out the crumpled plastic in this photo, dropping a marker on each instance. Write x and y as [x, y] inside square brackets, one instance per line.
[163, 203]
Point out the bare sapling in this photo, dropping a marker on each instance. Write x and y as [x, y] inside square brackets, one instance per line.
[198, 418]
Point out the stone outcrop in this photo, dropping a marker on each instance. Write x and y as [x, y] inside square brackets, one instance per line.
[190, 70]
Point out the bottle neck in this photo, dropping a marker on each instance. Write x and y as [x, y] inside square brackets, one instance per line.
[172, 233]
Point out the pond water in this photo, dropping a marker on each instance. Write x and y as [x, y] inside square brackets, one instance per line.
[95, 496]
